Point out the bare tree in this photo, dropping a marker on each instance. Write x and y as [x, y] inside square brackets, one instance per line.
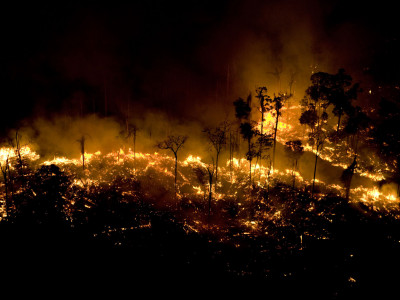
[173, 143]
[217, 137]
[81, 142]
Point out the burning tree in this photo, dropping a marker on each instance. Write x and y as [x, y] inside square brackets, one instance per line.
[173, 143]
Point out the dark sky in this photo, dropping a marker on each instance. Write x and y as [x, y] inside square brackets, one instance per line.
[187, 59]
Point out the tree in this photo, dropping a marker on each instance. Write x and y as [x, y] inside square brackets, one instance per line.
[217, 138]
[356, 126]
[210, 171]
[81, 142]
[341, 93]
[276, 105]
[248, 131]
[314, 115]
[294, 150]
[246, 127]
[242, 108]
[264, 106]
[173, 143]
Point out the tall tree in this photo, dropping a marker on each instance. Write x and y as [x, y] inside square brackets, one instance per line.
[81, 142]
[276, 105]
[246, 127]
[217, 137]
[248, 132]
[173, 143]
[314, 115]
[264, 106]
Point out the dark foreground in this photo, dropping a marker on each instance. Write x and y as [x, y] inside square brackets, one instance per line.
[361, 262]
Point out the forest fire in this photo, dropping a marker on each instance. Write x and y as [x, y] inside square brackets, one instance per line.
[232, 175]
[208, 141]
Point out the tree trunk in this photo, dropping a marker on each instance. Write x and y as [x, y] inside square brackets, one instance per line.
[216, 172]
[250, 172]
[210, 195]
[275, 131]
[134, 150]
[230, 154]
[176, 172]
[315, 171]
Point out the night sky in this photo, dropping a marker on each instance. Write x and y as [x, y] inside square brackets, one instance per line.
[189, 60]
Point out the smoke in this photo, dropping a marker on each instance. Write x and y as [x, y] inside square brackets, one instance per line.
[172, 68]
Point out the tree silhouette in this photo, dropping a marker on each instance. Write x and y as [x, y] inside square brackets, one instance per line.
[314, 113]
[81, 142]
[210, 170]
[217, 137]
[173, 143]
[356, 125]
[246, 127]
[248, 131]
[264, 106]
[276, 105]
[341, 93]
